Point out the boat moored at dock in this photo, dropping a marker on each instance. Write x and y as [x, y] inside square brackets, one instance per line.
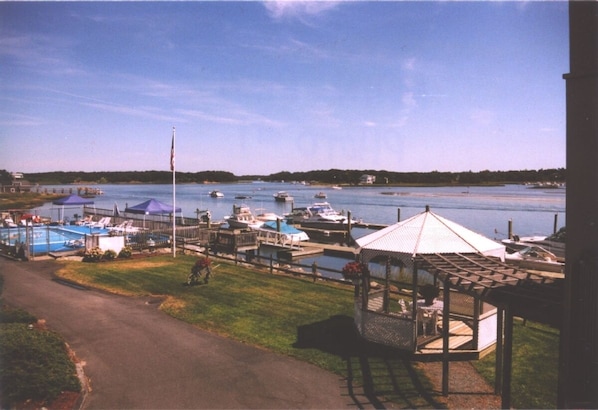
[243, 218]
[319, 215]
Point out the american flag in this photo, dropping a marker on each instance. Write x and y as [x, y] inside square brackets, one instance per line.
[172, 152]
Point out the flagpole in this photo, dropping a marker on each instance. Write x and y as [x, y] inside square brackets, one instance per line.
[173, 195]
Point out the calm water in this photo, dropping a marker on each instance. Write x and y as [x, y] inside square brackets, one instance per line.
[485, 210]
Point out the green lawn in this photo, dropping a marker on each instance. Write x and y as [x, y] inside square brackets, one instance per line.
[292, 316]
[535, 366]
[306, 320]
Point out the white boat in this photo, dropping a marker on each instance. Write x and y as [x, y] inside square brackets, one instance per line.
[319, 215]
[216, 194]
[290, 233]
[554, 243]
[243, 218]
[536, 258]
[268, 216]
[282, 196]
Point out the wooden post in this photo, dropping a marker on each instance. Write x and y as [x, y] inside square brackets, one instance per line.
[510, 229]
[556, 223]
[508, 359]
[476, 322]
[386, 301]
[445, 338]
[499, 351]
[398, 214]
[349, 223]
[414, 306]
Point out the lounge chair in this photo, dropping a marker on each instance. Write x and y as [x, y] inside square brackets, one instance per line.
[102, 223]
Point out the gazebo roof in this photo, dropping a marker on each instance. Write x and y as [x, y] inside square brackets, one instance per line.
[429, 233]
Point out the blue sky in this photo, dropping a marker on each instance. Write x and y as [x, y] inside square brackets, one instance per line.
[263, 87]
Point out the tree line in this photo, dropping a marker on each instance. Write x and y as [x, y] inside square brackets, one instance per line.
[331, 176]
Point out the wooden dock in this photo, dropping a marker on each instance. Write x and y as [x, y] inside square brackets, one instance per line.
[309, 248]
[367, 225]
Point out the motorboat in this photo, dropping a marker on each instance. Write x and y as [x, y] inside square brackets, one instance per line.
[536, 258]
[216, 194]
[321, 195]
[268, 216]
[282, 196]
[289, 232]
[319, 215]
[243, 218]
[554, 243]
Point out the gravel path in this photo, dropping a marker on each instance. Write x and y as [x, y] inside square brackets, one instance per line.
[467, 388]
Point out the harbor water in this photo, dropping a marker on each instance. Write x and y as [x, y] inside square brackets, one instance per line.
[482, 209]
[485, 210]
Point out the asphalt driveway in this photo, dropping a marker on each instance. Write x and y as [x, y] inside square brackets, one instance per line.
[138, 357]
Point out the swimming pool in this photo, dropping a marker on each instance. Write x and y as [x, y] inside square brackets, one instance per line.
[48, 238]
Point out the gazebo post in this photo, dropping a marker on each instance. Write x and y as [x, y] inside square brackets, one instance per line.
[445, 338]
[386, 302]
[476, 322]
[365, 281]
[508, 359]
[414, 306]
[499, 350]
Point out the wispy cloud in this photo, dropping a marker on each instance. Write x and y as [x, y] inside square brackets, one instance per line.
[12, 119]
[298, 9]
[237, 117]
[41, 54]
[144, 112]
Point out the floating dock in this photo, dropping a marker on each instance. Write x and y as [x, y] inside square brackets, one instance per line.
[315, 248]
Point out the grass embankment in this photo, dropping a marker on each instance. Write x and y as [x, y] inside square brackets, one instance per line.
[25, 200]
[292, 316]
[312, 322]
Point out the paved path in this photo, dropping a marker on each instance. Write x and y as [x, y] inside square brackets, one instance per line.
[138, 357]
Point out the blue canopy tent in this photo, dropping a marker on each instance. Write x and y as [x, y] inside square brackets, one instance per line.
[152, 207]
[74, 200]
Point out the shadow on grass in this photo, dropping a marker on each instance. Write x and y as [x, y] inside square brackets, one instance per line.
[374, 373]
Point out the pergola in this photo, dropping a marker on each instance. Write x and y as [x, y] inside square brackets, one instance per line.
[513, 291]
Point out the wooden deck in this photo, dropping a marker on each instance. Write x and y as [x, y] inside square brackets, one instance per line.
[430, 347]
[459, 335]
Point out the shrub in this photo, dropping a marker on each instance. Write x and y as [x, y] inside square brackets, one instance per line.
[34, 364]
[125, 252]
[93, 255]
[8, 315]
[109, 255]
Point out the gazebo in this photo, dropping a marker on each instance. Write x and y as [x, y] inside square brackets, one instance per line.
[478, 293]
[415, 326]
